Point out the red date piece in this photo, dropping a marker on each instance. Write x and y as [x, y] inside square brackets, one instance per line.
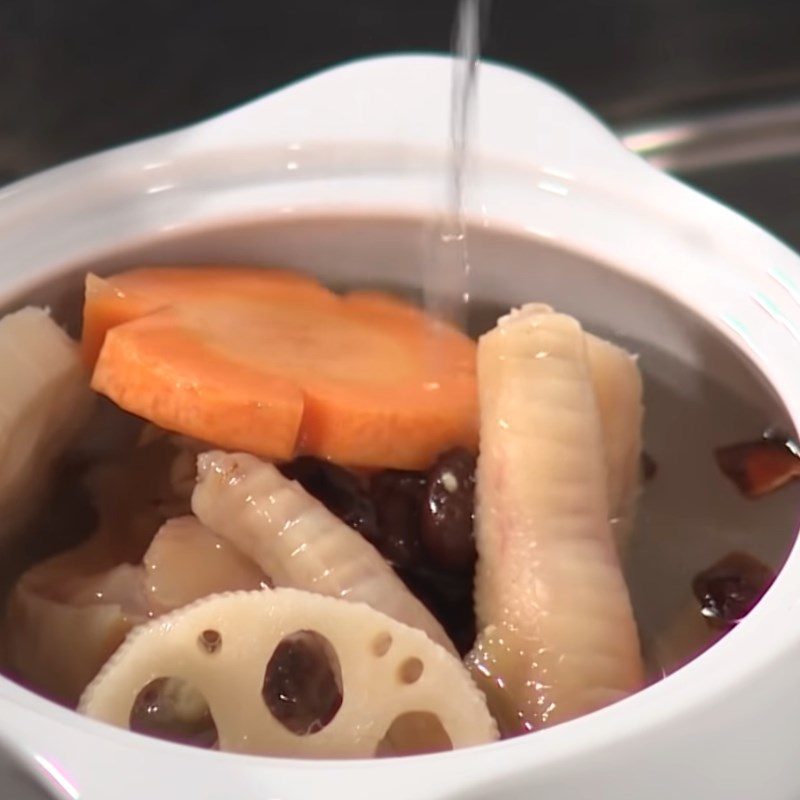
[760, 467]
[728, 590]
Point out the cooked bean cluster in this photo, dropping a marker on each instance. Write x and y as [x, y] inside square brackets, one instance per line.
[421, 522]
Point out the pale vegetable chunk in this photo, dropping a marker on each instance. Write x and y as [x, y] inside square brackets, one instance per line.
[557, 634]
[44, 401]
[394, 683]
[75, 609]
[297, 541]
[186, 561]
[56, 648]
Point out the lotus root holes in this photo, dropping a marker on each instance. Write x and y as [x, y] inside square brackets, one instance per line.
[172, 709]
[414, 733]
[303, 683]
[411, 670]
[210, 640]
[381, 644]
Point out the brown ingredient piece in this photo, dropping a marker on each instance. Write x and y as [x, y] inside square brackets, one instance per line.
[728, 590]
[649, 466]
[759, 467]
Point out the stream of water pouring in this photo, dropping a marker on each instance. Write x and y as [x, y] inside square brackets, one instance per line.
[446, 283]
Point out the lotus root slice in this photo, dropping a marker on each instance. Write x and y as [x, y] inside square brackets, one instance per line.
[394, 680]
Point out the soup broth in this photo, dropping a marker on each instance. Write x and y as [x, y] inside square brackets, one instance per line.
[700, 392]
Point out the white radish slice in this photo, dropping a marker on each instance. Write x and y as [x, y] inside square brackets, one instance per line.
[44, 400]
[297, 541]
[186, 561]
[387, 670]
[558, 637]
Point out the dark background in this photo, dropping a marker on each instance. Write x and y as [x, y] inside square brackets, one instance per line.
[81, 75]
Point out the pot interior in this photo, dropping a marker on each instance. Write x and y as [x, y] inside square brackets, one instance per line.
[700, 391]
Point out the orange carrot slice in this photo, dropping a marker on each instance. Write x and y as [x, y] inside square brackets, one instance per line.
[272, 363]
[137, 292]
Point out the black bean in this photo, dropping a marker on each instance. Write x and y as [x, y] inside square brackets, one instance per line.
[448, 596]
[303, 683]
[448, 512]
[398, 497]
[171, 709]
[338, 489]
[394, 512]
[728, 590]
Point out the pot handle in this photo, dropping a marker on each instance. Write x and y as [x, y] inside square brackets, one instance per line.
[405, 99]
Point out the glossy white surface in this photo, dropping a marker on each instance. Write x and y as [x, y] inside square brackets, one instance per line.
[369, 138]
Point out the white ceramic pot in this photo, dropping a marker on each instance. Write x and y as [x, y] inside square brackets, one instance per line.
[334, 174]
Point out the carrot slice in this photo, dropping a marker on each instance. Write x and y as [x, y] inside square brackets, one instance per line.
[106, 307]
[132, 294]
[274, 364]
